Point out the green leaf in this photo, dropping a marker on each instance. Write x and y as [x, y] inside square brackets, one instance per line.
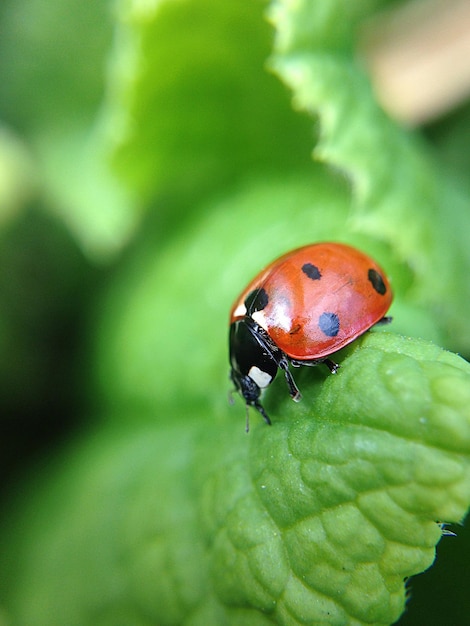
[52, 59]
[17, 176]
[353, 127]
[399, 192]
[191, 106]
[169, 513]
[162, 336]
[317, 519]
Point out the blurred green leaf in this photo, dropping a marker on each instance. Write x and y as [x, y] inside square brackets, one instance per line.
[51, 60]
[52, 63]
[17, 176]
[399, 193]
[191, 106]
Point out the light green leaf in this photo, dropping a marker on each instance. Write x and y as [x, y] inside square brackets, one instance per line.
[399, 194]
[191, 106]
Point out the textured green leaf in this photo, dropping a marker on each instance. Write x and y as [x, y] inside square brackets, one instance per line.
[169, 513]
[317, 519]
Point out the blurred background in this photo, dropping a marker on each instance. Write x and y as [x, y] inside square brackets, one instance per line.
[81, 196]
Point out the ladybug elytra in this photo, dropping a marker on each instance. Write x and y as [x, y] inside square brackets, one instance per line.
[302, 308]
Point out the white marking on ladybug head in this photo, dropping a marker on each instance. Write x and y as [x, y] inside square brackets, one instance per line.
[262, 379]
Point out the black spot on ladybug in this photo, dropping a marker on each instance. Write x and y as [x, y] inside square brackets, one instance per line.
[311, 271]
[377, 281]
[257, 300]
[329, 324]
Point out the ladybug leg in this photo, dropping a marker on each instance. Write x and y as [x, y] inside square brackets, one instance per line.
[385, 320]
[296, 363]
[293, 389]
[331, 365]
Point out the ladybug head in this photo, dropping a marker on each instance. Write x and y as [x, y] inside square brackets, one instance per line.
[254, 366]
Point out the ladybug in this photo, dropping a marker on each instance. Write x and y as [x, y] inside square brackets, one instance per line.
[299, 310]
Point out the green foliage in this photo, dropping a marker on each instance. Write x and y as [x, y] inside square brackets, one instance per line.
[315, 520]
[165, 511]
[219, 112]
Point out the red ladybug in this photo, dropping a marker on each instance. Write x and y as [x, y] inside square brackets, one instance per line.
[299, 310]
